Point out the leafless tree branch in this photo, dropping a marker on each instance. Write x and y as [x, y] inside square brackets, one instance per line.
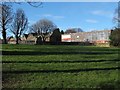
[19, 24]
[43, 28]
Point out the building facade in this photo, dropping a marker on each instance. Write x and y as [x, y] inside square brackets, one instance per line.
[92, 37]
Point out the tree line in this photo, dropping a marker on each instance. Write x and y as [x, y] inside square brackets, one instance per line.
[115, 33]
[12, 22]
[17, 24]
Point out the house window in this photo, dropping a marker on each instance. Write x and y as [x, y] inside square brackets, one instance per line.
[77, 36]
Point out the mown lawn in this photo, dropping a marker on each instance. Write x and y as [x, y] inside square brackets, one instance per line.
[50, 66]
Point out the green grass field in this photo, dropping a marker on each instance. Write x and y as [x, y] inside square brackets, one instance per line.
[47, 66]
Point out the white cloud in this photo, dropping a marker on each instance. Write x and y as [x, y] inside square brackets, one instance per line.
[103, 13]
[59, 17]
[100, 12]
[47, 15]
[91, 21]
[53, 16]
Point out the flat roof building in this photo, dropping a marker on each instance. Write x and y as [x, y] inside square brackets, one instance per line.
[92, 37]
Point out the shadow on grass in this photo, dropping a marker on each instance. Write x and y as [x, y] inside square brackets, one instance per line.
[110, 85]
[51, 53]
[65, 61]
[59, 71]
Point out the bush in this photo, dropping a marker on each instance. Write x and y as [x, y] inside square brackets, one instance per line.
[56, 37]
[115, 37]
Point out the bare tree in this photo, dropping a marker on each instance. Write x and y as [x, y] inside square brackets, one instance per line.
[70, 31]
[73, 30]
[31, 3]
[43, 28]
[20, 24]
[116, 17]
[5, 19]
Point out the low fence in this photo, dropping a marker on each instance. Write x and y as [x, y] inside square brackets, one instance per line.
[77, 43]
[103, 44]
[65, 43]
[27, 42]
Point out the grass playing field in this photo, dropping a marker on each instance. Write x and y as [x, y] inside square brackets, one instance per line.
[50, 66]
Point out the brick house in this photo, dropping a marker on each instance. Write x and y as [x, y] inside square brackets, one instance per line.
[29, 39]
[32, 38]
